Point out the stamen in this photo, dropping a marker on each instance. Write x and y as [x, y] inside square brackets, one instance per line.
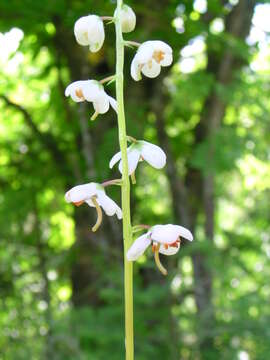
[99, 214]
[94, 116]
[78, 203]
[166, 246]
[158, 263]
[153, 248]
[79, 93]
[158, 56]
[133, 178]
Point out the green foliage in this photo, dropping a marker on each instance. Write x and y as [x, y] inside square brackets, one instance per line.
[39, 317]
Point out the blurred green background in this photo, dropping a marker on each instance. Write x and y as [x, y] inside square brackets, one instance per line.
[61, 286]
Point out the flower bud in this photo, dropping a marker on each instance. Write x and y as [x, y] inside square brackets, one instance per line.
[89, 31]
[128, 19]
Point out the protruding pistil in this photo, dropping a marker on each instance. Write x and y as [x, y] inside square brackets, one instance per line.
[157, 260]
[99, 214]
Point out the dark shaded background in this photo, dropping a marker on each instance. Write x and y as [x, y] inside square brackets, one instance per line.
[61, 289]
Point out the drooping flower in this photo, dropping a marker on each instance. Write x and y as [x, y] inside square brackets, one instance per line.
[92, 91]
[141, 150]
[95, 196]
[150, 56]
[128, 19]
[165, 239]
[89, 31]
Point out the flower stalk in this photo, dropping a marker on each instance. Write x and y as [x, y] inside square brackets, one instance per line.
[132, 43]
[107, 79]
[112, 182]
[125, 189]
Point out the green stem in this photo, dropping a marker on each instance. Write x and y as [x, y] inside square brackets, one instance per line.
[127, 231]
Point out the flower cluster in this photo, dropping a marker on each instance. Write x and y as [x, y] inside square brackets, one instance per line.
[148, 60]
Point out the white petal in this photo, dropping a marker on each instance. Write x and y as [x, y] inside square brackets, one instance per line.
[101, 104]
[170, 251]
[168, 58]
[168, 234]
[133, 159]
[138, 247]
[128, 19]
[72, 88]
[92, 90]
[151, 69]
[81, 30]
[96, 35]
[81, 192]
[90, 203]
[115, 159]
[113, 103]
[135, 70]
[153, 154]
[119, 213]
[185, 233]
[161, 46]
[145, 52]
[108, 205]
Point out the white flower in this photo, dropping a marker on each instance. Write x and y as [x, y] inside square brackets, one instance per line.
[141, 150]
[151, 55]
[165, 239]
[128, 19]
[92, 91]
[89, 31]
[94, 195]
[167, 236]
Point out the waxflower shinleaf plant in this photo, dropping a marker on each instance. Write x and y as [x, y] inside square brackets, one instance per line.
[149, 59]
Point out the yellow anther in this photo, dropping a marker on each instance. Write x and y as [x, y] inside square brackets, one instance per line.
[79, 93]
[158, 56]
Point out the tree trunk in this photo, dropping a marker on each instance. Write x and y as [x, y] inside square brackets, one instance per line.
[195, 193]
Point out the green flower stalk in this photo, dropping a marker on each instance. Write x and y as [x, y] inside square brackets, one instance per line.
[127, 230]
